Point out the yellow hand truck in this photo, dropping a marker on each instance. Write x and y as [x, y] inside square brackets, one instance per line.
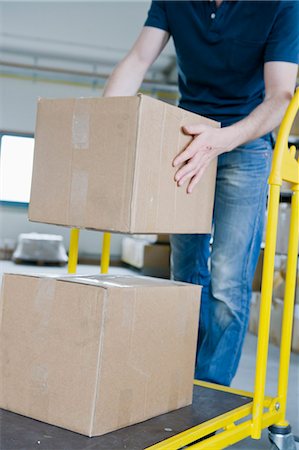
[233, 414]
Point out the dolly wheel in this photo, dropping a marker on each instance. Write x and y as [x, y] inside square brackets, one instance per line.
[281, 438]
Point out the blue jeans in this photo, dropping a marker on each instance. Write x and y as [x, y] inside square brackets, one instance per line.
[239, 211]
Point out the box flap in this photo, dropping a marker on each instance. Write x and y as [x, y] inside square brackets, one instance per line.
[107, 281]
[121, 281]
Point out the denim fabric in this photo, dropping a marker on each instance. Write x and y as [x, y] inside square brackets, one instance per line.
[239, 211]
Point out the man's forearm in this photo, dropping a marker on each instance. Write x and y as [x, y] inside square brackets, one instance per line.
[128, 75]
[126, 78]
[262, 120]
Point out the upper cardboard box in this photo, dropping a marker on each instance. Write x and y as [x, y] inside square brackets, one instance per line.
[106, 164]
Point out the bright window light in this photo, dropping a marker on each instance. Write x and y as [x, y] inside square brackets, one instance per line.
[16, 160]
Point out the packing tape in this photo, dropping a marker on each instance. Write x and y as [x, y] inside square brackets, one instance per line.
[80, 124]
[43, 304]
[39, 398]
[156, 205]
[43, 300]
[78, 197]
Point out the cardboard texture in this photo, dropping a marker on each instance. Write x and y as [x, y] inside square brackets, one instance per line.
[152, 259]
[276, 321]
[163, 239]
[106, 164]
[295, 126]
[157, 260]
[254, 313]
[295, 340]
[257, 279]
[132, 251]
[94, 354]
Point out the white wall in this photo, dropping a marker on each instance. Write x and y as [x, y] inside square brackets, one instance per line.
[18, 106]
[96, 28]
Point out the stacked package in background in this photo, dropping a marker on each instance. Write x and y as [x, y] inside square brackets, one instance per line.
[96, 353]
[277, 304]
[148, 253]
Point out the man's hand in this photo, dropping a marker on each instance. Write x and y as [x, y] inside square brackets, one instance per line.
[208, 142]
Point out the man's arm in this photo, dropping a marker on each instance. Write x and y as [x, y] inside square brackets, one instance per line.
[208, 142]
[129, 73]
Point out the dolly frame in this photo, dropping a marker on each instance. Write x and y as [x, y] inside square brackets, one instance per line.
[263, 411]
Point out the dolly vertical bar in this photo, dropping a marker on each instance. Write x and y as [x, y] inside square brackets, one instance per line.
[288, 308]
[105, 253]
[265, 311]
[73, 251]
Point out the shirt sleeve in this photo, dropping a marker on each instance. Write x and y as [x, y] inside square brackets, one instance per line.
[283, 42]
[157, 16]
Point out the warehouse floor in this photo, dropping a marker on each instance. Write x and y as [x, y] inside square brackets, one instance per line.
[245, 376]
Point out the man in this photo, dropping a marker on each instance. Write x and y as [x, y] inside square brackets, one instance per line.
[237, 63]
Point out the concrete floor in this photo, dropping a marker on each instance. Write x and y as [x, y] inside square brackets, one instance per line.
[245, 377]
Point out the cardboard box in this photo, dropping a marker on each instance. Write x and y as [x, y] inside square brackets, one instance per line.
[254, 313]
[150, 238]
[295, 126]
[276, 321]
[257, 279]
[163, 239]
[283, 274]
[157, 260]
[276, 325]
[106, 164]
[295, 337]
[132, 251]
[97, 353]
[152, 259]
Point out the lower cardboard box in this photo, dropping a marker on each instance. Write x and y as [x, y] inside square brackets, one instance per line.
[93, 354]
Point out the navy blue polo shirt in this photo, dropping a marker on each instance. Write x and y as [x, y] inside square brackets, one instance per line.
[221, 51]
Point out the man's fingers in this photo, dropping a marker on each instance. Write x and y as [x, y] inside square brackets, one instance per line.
[188, 153]
[195, 180]
[183, 171]
[186, 177]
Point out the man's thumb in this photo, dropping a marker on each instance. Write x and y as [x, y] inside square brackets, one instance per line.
[193, 129]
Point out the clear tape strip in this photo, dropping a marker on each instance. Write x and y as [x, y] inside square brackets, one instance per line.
[80, 125]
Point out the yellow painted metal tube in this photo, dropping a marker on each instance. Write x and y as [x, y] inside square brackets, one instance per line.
[194, 433]
[105, 260]
[233, 434]
[280, 156]
[288, 307]
[265, 311]
[73, 250]
[219, 387]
